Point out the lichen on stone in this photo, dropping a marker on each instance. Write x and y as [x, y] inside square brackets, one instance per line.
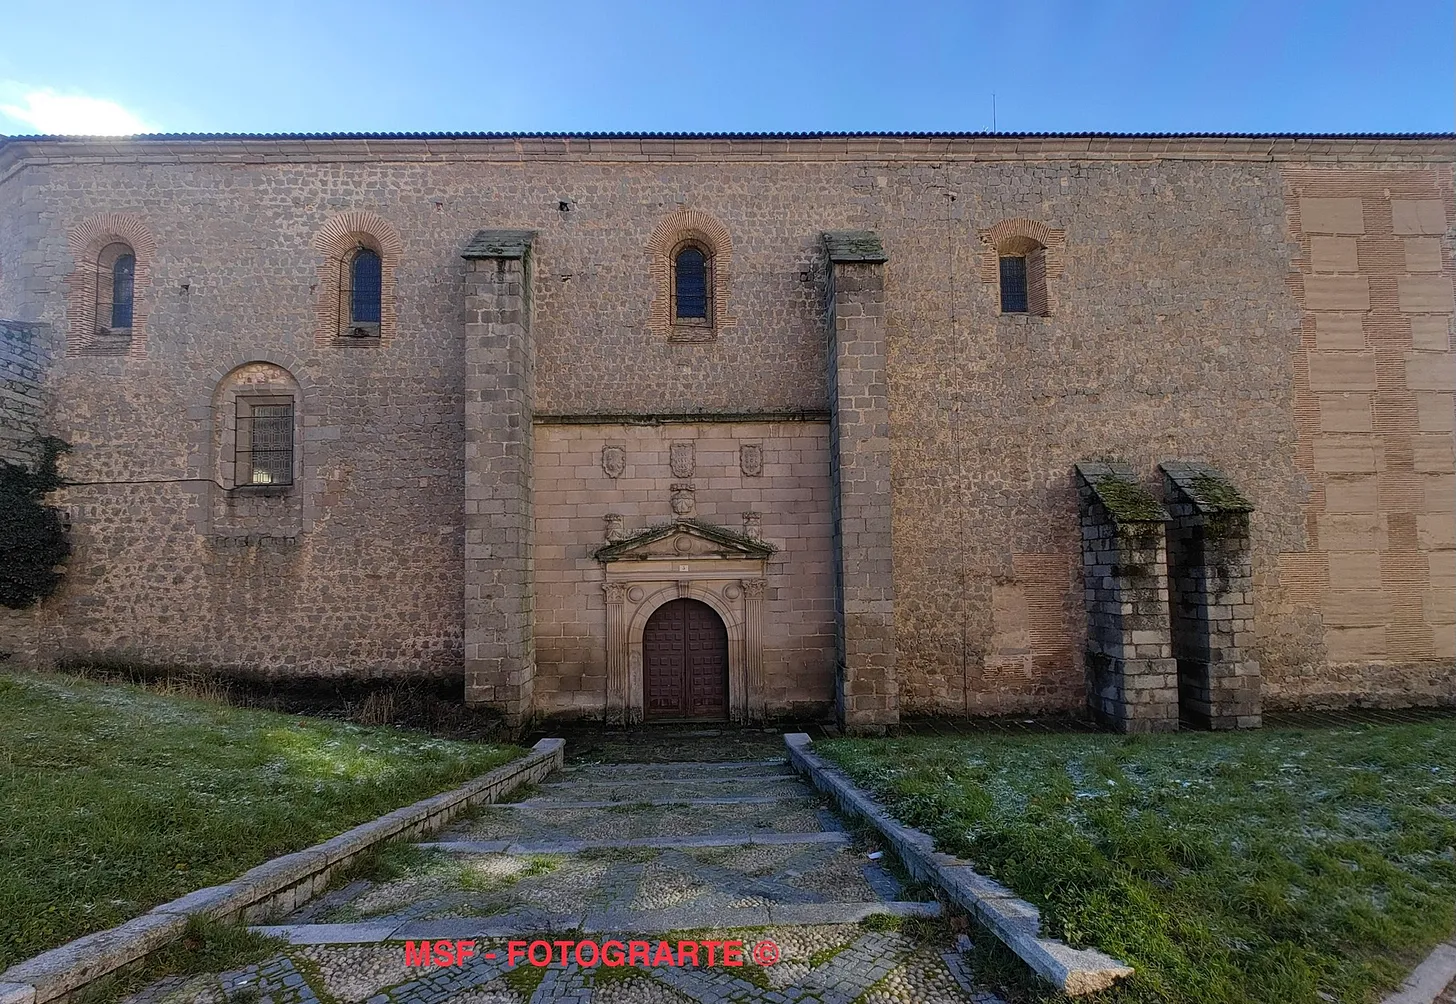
[1216, 492]
[1128, 501]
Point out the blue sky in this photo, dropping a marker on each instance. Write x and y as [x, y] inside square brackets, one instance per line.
[728, 65]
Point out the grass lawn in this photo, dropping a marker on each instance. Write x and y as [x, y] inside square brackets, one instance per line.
[114, 799]
[1274, 865]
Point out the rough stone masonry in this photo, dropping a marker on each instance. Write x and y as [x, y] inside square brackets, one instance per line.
[844, 485]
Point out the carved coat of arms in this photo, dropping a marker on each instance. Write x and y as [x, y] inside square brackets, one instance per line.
[750, 459]
[614, 461]
[682, 459]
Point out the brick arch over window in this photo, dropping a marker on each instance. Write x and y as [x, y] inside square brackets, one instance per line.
[338, 241]
[679, 228]
[1041, 245]
[86, 241]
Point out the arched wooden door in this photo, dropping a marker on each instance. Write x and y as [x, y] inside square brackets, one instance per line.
[685, 662]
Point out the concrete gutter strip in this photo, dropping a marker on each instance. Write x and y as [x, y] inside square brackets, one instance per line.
[1428, 979]
[274, 887]
[1016, 922]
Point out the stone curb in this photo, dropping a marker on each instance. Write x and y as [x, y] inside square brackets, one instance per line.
[1015, 921]
[1423, 985]
[280, 885]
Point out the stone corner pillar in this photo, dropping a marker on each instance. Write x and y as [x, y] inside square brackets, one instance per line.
[500, 662]
[1212, 581]
[866, 687]
[1132, 678]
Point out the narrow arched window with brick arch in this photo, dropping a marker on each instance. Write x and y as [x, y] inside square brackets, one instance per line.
[692, 298]
[1020, 259]
[366, 287]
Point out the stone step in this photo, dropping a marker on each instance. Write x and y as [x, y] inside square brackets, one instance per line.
[566, 803]
[522, 822]
[633, 923]
[628, 790]
[776, 767]
[577, 845]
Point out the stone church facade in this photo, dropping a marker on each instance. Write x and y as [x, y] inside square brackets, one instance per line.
[746, 427]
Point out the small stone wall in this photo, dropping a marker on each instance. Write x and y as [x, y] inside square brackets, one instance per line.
[1132, 679]
[1212, 586]
[23, 361]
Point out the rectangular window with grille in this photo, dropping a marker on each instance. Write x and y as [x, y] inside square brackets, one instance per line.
[1013, 285]
[265, 442]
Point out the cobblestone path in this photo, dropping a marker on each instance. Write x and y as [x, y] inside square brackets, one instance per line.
[619, 851]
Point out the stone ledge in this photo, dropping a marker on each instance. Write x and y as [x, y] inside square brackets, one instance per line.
[1116, 488]
[281, 884]
[1429, 979]
[499, 244]
[1016, 922]
[1206, 488]
[848, 246]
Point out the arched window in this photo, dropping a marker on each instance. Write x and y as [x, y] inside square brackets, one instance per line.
[115, 288]
[366, 286]
[123, 281]
[1023, 272]
[692, 299]
[1013, 284]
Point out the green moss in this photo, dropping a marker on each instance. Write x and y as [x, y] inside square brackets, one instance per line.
[525, 978]
[1127, 501]
[1218, 493]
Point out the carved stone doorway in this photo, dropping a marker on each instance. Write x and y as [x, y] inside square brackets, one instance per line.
[685, 663]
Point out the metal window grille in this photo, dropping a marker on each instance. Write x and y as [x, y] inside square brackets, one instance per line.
[123, 281]
[691, 278]
[265, 443]
[1013, 285]
[365, 288]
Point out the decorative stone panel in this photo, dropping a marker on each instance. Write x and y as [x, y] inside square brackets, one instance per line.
[86, 241]
[1132, 678]
[337, 241]
[1212, 588]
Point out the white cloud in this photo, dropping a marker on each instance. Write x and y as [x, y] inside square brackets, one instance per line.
[47, 112]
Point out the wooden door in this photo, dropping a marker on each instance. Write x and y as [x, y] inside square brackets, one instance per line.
[685, 662]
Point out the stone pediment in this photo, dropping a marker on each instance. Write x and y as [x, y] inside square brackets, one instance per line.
[684, 538]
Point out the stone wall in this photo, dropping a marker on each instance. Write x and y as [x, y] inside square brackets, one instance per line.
[1364, 612]
[1191, 313]
[24, 357]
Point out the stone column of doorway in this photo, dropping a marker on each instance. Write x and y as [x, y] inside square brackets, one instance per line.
[500, 663]
[866, 691]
